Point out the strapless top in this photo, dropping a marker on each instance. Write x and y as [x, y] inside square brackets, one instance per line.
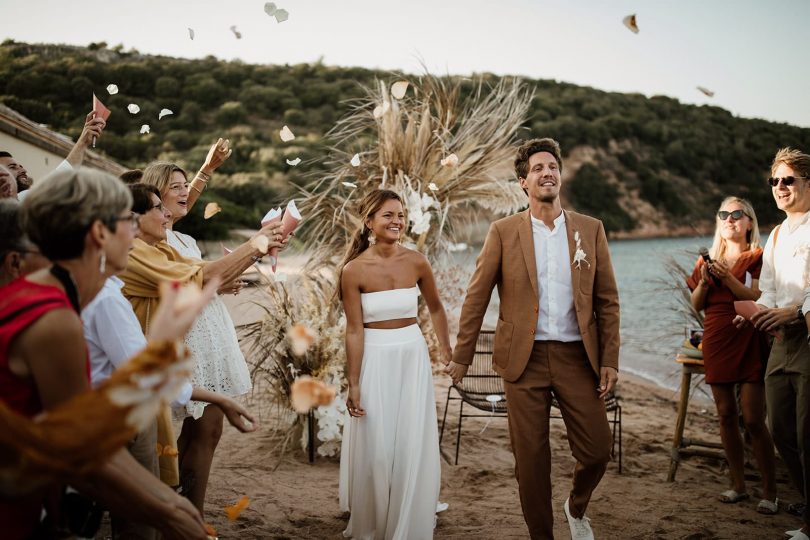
[389, 305]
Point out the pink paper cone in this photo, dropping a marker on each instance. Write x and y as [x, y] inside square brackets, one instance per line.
[289, 222]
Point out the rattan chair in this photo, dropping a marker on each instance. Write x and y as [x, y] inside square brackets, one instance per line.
[480, 382]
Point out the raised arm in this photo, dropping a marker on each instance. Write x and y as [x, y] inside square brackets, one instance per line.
[427, 285]
[350, 291]
[93, 127]
[219, 152]
[231, 266]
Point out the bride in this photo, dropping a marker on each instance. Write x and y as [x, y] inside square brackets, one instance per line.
[389, 462]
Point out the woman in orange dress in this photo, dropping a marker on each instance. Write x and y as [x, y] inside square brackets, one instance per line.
[733, 356]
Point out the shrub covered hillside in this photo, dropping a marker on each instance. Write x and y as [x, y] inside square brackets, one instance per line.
[644, 166]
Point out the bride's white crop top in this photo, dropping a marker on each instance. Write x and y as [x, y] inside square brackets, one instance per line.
[389, 305]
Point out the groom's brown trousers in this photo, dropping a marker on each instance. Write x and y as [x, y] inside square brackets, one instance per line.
[562, 369]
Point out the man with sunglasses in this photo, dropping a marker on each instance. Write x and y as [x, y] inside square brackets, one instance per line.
[784, 278]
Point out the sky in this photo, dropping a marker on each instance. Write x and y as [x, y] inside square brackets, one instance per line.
[752, 54]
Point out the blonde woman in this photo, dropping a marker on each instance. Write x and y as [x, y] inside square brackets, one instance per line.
[733, 356]
[219, 364]
[389, 461]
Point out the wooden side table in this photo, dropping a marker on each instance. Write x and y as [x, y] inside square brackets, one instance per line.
[680, 445]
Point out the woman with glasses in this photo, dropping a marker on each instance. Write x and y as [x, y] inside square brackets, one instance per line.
[81, 220]
[731, 356]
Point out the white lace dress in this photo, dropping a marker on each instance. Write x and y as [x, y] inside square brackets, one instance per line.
[219, 365]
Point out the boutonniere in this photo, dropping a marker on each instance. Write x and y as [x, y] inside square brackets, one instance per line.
[579, 253]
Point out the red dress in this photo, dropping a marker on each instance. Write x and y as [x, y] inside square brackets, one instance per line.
[731, 355]
[22, 303]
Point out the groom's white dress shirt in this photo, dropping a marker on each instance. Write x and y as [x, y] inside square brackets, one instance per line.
[786, 266]
[557, 319]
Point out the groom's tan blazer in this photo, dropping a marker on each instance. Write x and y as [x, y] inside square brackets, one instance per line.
[507, 260]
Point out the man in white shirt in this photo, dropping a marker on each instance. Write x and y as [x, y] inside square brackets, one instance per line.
[557, 336]
[784, 277]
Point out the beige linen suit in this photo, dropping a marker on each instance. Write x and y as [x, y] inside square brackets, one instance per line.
[533, 370]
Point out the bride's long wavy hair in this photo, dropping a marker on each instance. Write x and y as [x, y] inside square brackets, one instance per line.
[369, 205]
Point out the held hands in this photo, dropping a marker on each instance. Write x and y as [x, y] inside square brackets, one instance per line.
[456, 371]
[218, 154]
[608, 377]
[93, 127]
[353, 402]
[179, 309]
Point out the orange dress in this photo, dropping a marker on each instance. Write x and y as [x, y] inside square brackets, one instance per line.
[731, 355]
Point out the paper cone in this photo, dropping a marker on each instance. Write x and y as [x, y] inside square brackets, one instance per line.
[289, 222]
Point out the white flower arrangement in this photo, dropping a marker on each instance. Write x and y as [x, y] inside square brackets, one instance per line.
[579, 253]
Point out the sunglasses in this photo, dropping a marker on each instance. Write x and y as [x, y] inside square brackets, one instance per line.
[736, 214]
[786, 180]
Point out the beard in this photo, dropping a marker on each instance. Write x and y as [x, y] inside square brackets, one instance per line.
[24, 182]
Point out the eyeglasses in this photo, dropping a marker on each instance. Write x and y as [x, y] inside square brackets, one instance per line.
[736, 214]
[786, 180]
[132, 218]
[158, 206]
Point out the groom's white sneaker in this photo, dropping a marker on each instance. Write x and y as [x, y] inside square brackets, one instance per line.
[580, 528]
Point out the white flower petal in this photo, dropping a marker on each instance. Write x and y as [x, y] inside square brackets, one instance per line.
[293, 162]
[286, 134]
[191, 33]
[461, 246]
[236, 32]
[399, 88]
[211, 209]
[355, 161]
[706, 91]
[450, 161]
[349, 184]
[270, 8]
[112, 89]
[145, 129]
[630, 23]
[164, 112]
[281, 15]
[133, 109]
[380, 110]
[433, 187]
[261, 243]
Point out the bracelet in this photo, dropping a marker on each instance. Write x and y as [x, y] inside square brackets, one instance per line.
[195, 188]
[203, 176]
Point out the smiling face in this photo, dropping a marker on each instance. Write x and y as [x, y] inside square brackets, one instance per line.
[175, 196]
[388, 222]
[543, 181]
[153, 222]
[731, 229]
[793, 198]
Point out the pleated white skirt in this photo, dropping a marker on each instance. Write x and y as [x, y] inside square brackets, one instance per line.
[389, 461]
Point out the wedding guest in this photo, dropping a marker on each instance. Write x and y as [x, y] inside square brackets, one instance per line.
[389, 459]
[219, 365]
[131, 177]
[734, 357]
[8, 186]
[81, 221]
[557, 335]
[784, 277]
[93, 128]
[18, 255]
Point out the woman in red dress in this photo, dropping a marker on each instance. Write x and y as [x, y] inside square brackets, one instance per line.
[733, 356]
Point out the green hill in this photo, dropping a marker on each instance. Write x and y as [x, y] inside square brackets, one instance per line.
[649, 166]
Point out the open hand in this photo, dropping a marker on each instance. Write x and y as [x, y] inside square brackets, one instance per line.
[218, 154]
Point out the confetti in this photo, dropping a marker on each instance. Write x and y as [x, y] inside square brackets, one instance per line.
[306, 393]
[235, 510]
[461, 246]
[145, 129]
[167, 450]
[293, 162]
[211, 209]
[450, 161]
[270, 8]
[630, 22]
[380, 110]
[112, 89]
[706, 91]
[349, 184]
[261, 243]
[133, 109]
[164, 112]
[281, 15]
[286, 134]
[355, 161]
[399, 88]
[236, 32]
[433, 187]
[191, 33]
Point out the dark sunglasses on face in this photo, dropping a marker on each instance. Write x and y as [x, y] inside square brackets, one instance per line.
[736, 214]
[786, 180]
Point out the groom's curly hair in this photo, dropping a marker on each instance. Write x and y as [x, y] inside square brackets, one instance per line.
[529, 148]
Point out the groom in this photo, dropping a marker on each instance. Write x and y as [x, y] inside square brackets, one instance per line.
[557, 335]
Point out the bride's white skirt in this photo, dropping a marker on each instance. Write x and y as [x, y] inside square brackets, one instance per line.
[389, 460]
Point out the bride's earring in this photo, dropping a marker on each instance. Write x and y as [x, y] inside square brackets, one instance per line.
[102, 265]
[371, 239]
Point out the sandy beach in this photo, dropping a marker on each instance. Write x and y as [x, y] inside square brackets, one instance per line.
[299, 500]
